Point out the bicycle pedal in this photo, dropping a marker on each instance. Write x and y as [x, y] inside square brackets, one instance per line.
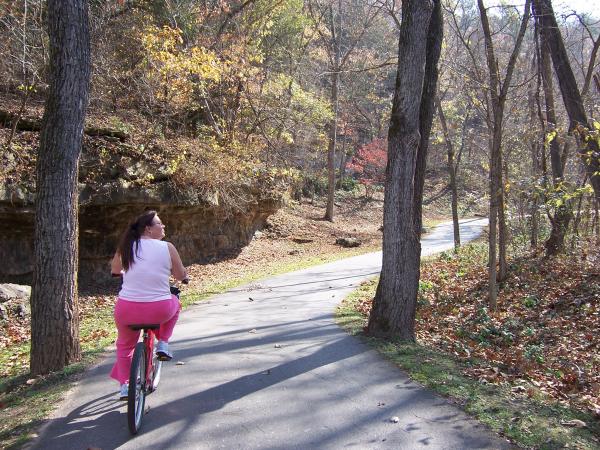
[163, 356]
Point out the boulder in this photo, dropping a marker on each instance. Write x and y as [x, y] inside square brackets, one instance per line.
[10, 291]
[14, 299]
[348, 242]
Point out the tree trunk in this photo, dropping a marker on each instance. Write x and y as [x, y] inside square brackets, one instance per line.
[535, 168]
[394, 306]
[563, 215]
[54, 311]
[331, 149]
[343, 161]
[497, 93]
[427, 110]
[451, 172]
[502, 229]
[335, 80]
[495, 155]
[495, 193]
[588, 149]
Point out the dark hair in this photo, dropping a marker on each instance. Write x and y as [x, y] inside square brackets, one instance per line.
[132, 236]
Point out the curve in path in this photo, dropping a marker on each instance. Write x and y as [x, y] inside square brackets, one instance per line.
[265, 367]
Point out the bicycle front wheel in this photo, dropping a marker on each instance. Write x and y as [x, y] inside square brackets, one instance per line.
[137, 389]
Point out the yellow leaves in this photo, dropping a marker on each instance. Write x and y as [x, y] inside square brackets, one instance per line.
[26, 87]
[161, 42]
[178, 71]
[287, 137]
[204, 63]
[174, 163]
[550, 136]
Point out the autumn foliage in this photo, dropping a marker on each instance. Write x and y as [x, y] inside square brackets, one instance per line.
[369, 164]
[544, 330]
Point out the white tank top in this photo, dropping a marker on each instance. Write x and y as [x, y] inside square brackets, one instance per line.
[147, 279]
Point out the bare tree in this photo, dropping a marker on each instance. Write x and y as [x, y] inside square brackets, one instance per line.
[498, 91]
[339, 52]
[452, 168]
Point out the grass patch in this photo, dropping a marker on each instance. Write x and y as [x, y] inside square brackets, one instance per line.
[520, 412]
[23, 406]
[25, 402]
[190, 297]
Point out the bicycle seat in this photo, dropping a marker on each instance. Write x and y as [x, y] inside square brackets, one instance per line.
[144, 326]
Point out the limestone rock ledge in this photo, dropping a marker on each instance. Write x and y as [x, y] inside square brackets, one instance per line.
[196, 224]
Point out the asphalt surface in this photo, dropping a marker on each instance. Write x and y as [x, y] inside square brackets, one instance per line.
[266, 367]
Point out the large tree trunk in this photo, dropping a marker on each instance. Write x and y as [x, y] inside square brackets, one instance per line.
[588, 149]
[563, 215]
[394, 306]
[54, 313]
[427, 109]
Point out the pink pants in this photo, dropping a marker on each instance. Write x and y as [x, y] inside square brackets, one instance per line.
[165, 312]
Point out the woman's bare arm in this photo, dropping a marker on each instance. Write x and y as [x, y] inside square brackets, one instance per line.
[177, 269]
[116, 267]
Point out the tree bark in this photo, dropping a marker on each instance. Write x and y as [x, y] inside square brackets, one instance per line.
[331, 148]
[534, 145]
[588, 149]
[335, 80]
[394, 306]
[427, 110]
[343, 162]
[563, 214]
[54, 310]
[451, 173]
[498, 93]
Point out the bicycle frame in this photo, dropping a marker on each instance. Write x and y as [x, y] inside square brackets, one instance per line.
[149, 344]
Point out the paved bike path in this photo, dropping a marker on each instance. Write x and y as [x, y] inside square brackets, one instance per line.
[266, 367]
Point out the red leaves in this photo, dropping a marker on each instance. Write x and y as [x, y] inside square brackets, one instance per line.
[370, 161]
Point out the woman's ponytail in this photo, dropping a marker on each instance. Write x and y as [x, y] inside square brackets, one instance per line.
[132, 236]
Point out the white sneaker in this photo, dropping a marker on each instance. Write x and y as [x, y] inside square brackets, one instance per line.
[162, 351]
[123, 394]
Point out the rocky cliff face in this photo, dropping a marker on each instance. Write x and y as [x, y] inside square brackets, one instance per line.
[200, 229]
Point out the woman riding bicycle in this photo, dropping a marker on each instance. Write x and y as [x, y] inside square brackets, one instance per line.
[146, 263]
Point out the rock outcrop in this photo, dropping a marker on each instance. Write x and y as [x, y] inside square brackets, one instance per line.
[198, 226]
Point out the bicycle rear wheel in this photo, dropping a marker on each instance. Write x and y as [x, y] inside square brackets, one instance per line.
[157, 369]
[137, 389]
